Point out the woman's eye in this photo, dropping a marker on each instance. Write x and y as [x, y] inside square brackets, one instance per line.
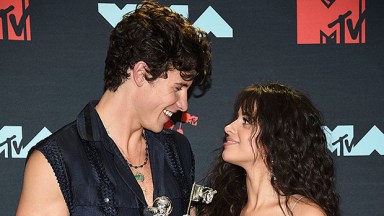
[246, 121]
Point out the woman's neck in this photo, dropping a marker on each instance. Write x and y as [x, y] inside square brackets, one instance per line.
[260, 192]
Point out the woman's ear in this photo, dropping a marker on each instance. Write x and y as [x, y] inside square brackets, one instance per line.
[139, 73]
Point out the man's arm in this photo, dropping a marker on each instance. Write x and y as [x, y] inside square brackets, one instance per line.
[41, 193]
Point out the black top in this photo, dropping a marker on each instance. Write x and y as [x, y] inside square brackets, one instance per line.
[95, 179]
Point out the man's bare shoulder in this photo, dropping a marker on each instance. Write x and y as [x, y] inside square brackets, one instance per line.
[41, 193]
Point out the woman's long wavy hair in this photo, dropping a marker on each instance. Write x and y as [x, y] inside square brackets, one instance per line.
[295, 146]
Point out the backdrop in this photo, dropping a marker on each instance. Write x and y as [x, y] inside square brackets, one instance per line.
[52, 61]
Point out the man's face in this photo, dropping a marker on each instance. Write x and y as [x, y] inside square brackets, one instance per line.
[162, 98]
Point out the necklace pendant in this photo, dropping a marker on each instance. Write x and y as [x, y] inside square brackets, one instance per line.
[139, 177]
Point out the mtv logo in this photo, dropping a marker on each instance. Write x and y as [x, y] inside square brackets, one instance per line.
[15, 21]
[185, 118]
[209, 20]
[340, 140]
[330, 21]
[190, 119]
[10, 141]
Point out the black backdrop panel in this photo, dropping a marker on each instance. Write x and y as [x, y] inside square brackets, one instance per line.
[52, 61]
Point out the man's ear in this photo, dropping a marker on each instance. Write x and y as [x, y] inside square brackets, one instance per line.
[139, 73]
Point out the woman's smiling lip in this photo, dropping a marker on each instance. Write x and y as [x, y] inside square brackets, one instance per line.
[229, 141]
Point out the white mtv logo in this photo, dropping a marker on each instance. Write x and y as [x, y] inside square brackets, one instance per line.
[10, 141]
[340, 140]
[209, 20]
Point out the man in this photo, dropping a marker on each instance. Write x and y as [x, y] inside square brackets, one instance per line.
[115, 159]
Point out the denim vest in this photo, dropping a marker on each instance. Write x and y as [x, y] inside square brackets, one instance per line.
[95, 179]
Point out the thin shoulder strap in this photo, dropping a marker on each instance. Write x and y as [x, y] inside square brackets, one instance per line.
[294, 204]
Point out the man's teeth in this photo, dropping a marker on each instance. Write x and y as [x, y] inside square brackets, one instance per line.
[168, 113]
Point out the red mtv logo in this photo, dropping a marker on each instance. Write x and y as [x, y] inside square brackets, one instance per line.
[15, 21]
[330, 21]
[185, 118]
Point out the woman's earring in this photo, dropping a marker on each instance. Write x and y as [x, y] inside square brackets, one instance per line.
[273, 177]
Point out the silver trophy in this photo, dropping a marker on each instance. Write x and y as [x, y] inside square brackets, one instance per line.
[202, 194]
[162, 206]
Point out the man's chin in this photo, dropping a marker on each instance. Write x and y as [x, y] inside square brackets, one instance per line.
[156, 130]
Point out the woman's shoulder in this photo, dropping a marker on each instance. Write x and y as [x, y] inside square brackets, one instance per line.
[302, 206]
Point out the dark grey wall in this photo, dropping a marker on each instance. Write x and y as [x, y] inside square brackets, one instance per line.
[47, 79]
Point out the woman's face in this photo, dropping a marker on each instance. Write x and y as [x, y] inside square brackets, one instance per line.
[240, 144]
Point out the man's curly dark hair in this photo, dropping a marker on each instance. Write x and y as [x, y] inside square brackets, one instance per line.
[295, 146]
[161, 38]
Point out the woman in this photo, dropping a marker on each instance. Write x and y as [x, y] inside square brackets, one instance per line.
[274, 160]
